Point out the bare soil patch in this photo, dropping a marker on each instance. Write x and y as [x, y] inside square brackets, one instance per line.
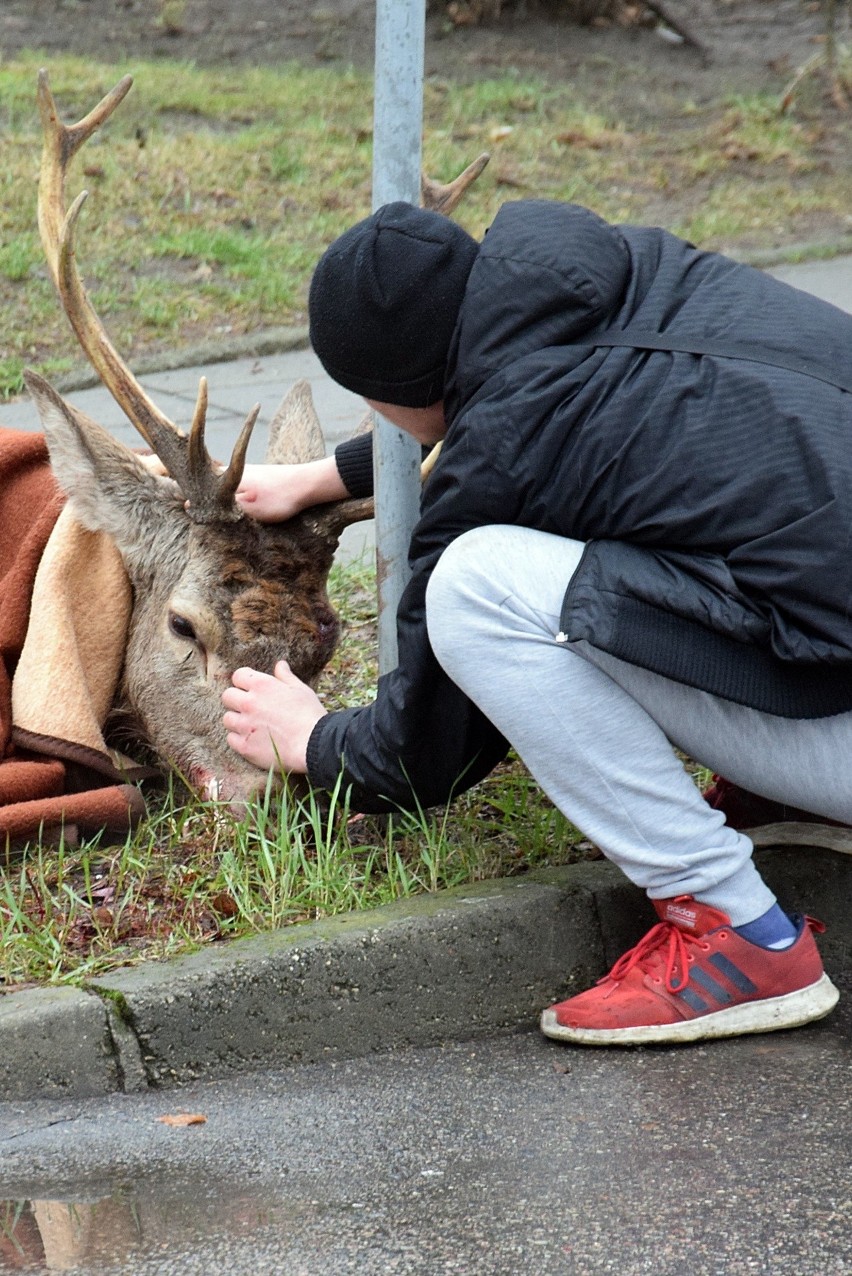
[638, 75]
[750, 44]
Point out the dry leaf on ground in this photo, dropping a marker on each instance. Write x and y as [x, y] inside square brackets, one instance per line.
[183, 1118]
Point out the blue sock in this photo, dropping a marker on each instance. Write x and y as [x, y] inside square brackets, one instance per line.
[772, 930]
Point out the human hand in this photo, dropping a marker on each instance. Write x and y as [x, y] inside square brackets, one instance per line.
[273, 493]
[270, 718]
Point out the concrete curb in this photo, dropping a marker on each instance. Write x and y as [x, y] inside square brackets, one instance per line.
[257, 345]
[55, 1041]
[791, 254]
[467, 963]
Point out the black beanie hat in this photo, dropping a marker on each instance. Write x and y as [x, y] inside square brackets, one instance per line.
[384, 302]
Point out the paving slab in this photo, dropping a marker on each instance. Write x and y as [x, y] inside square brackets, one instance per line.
[234, 386]
[815, 881]
[829, 279]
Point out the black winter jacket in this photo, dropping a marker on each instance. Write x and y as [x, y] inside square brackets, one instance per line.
[711, 479]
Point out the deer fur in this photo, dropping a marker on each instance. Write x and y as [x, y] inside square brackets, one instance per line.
[208, 597]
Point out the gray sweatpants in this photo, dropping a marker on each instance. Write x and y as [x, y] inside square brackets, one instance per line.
[597, 733]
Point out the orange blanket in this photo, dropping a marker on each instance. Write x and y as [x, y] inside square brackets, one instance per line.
[56, 773]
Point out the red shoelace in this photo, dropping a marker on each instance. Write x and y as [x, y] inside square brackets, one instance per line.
[648, 954]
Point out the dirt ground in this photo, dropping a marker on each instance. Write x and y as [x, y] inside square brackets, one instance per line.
[637, 74]
[747, 44]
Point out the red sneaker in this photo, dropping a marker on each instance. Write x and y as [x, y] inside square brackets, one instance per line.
[692, 977]
[770, 823]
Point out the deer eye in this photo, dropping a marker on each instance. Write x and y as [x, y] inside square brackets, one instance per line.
[181, 627]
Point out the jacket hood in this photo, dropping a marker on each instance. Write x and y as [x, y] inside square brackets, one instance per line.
[546, 275]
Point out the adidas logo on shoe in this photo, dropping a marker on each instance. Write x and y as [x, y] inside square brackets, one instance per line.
[680, 914]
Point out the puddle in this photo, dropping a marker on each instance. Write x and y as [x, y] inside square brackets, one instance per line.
[131, 1223]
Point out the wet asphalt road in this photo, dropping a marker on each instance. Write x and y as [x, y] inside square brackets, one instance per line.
[489, 1158]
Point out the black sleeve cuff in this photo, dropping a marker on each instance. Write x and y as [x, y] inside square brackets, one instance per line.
[354, 459]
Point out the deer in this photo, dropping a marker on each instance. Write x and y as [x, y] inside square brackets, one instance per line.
[212, 589]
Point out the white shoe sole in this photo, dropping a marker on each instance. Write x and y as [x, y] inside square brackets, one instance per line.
[790, 833]
[790, 1011]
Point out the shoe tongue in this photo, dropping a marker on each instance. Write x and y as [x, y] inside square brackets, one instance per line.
[687, 914]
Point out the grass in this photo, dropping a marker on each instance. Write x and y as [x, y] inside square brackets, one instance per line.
[213, 191]
[192, 874]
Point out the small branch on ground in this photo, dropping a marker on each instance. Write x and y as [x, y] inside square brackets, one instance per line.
[825, 60]
[836, 89]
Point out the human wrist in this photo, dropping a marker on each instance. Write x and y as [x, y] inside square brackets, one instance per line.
[321, 482]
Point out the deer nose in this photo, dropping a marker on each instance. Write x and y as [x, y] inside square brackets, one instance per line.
[326, 622]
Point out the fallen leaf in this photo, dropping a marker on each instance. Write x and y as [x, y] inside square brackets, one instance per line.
[504, 178]
[596, 142]
[734, 150]
[224, 904]
[183, 1118]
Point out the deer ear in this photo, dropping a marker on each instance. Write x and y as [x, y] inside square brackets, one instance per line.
[109, 485]
[295, 434]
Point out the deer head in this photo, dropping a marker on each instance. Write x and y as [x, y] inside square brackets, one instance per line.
[213, 589]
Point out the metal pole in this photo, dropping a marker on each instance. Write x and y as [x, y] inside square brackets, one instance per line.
[397, 131]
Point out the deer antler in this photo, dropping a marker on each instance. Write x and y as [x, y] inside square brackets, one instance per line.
[442, 198]
[209, 491]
